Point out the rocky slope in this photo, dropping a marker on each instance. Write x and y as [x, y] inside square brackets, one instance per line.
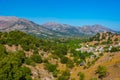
[64, 28]
[14, 23]
[95, 29]
[50, 29]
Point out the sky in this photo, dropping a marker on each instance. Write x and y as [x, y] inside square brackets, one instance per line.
[73, 12]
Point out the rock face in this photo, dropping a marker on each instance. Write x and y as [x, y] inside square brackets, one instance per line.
[14, 23]
[62, 28]
[95, 29]
[87, 29]
[39, 73]
[49, 29]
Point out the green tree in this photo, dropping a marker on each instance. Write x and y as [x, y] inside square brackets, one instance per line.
[11, 67]
[3, 52]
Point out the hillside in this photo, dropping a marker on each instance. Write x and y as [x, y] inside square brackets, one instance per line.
[24, 57]
[15, 23]
[49, 30]
[87, 29]
[63, 29]
[94, 29]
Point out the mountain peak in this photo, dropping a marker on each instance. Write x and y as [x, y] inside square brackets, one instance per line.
[8, 18]
[48, 29]
[55, 24]
[50, 23]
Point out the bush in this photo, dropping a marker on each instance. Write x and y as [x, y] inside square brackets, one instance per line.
[65, 75]
[50, 67]
[115, 49]
[84, 55]
[70, 64]
[36, 58]
[64, 60]
[28, 61]
[101, 71]
[60, 50]
[77, 61]
[81, 76]
[55, 73]
[36, 51]
[101, 54]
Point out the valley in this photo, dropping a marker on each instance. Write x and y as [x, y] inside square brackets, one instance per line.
[95, 58]
[59, 39]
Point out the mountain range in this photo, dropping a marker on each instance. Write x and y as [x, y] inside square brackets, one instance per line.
[50, 29]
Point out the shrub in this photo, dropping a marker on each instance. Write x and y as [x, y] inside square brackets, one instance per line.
[36, 58]
[55, 73]
[64, 60]
[101, 71]
[65, 75]
[36, 51]
[114, 49]
[81, 76]
[101, 54]
[70, 64]
[50, 67]
[28, 61]
[60, 50]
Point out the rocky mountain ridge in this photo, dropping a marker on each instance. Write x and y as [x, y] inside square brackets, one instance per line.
[49, 29]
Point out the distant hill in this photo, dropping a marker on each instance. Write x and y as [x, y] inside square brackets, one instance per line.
[50, 29]
[95, 29]
[64, 29]
[87, 29]
[106, 36]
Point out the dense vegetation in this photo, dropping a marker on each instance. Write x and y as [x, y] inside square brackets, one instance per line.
[11, 66]
[44, 51]
[11, 63]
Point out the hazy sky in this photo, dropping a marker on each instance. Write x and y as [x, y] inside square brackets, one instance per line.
[74, 12]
